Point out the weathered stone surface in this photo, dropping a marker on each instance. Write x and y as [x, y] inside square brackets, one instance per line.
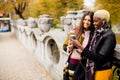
[16, 63]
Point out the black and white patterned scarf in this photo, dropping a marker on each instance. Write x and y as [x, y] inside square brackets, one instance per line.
[89, 75]
[97, 35]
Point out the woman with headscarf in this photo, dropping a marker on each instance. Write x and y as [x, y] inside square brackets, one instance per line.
[100, 52]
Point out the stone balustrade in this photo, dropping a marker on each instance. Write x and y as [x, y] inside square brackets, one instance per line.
[46, 46]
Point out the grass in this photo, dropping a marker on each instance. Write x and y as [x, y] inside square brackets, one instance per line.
[115, 76]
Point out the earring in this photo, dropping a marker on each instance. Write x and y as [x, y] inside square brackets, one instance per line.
[103, 21]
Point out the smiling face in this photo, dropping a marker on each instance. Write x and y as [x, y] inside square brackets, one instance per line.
[87, 22]
[97, 22]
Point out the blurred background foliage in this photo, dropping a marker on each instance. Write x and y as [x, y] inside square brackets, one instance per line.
[35, 8]
[113, 6]
[56, 8]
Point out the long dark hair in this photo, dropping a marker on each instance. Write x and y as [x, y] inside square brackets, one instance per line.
[81, 27]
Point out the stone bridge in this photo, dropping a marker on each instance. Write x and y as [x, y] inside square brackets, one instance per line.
[45, 47]
[16, 62]
[45, 43]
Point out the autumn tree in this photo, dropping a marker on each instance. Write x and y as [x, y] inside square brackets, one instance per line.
[5, 7]
[113, 6]
[19, 6]
[55, 8]
[34, 8]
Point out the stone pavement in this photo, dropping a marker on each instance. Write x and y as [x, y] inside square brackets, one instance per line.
[16, 63]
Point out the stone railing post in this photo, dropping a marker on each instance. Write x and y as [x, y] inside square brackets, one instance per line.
[45, 23]
[68, 21]
[32, 22]
[79, 15]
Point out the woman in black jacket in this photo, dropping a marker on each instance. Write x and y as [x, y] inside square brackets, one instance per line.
[99, 54]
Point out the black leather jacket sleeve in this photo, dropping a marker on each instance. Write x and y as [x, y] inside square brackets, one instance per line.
[103, 51]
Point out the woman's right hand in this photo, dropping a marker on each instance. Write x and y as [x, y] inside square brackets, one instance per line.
[78, 45]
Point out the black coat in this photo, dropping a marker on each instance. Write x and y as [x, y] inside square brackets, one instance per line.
[79, 73]
[103, 51]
